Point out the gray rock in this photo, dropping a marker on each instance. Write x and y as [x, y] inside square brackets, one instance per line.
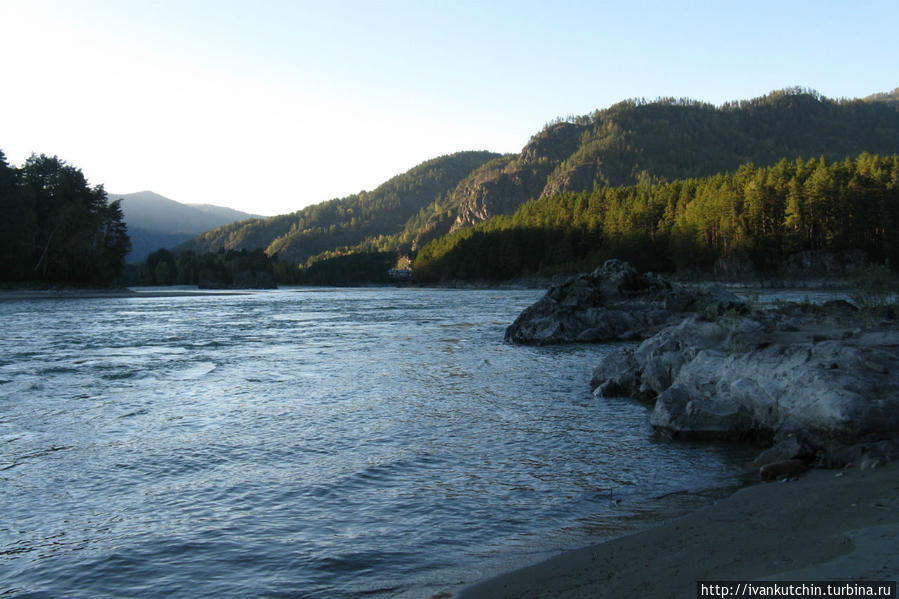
[783, 469]
[745, 376]
[791, 447]
[617, 375]
[614, 302]
[865, 454]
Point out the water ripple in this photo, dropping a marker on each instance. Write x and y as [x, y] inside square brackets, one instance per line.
[311, 444]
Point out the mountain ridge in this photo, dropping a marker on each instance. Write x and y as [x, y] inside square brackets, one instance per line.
[630, 142]
[348, 221]
[636, 141]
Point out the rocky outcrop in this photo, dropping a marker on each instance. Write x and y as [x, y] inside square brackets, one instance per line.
[613, 303]
[495, 192]
[574, 177]
[809, 377]
[820, 382]
[507, 184]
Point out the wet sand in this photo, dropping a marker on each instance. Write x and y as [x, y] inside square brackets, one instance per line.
[828, 525]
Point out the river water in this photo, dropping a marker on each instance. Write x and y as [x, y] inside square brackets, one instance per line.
[309, 443]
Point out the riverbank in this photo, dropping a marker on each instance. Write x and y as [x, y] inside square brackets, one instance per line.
[827, 525]
[75, 293]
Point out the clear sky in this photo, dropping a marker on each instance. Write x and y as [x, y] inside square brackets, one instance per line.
[268, 106]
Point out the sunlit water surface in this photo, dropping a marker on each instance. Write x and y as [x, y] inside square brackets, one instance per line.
[308, 443]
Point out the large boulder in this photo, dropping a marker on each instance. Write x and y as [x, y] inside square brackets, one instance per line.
[800, 371]
[613, 303]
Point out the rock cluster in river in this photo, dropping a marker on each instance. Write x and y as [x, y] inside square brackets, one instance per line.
[613, 303]
[821, 382]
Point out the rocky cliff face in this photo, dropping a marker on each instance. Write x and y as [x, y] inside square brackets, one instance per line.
[580, 176]
[496, 192]
[506, 186]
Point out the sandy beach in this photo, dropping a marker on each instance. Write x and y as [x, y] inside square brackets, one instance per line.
[828, 525]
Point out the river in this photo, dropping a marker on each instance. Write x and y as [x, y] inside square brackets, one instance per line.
[310, 443]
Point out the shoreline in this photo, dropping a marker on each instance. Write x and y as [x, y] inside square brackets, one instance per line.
[829, 524]
[127, 293]
[834, 285]
[719, 368]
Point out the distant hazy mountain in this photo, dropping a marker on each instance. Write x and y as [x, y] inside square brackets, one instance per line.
[157, 222]
[148, 210]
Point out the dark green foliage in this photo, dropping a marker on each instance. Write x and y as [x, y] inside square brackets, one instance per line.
[639, 142]
[14, 242]
[56, 228]
[351, 268]
[159, 269]
[760, 213]
[668, 139]
[222, 269]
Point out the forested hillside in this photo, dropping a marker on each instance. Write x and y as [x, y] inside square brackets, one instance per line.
[55, 227]
[758, 213]
[634, 144]
[640, 142]
[637, 141]
[348, 221]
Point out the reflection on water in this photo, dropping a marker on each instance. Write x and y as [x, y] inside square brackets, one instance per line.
[320, 443]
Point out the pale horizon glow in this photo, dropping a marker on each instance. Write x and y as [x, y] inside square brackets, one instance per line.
[269, 107]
